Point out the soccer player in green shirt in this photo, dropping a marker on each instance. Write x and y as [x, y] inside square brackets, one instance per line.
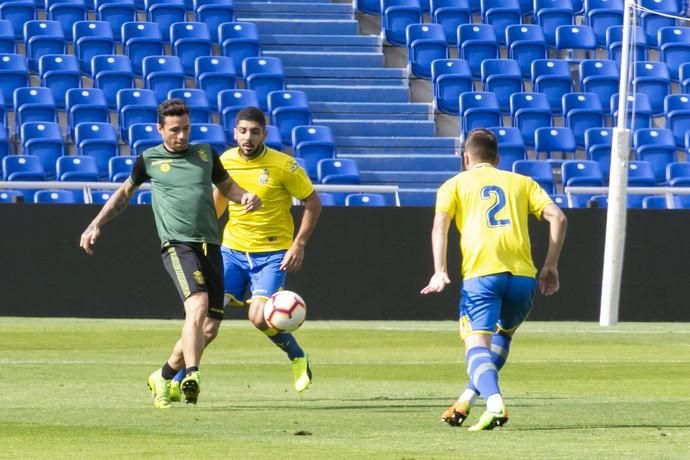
[182, 178]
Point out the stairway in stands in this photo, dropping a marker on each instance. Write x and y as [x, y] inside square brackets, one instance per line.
[366, 104]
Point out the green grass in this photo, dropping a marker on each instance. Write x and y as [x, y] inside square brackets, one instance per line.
[73, 388]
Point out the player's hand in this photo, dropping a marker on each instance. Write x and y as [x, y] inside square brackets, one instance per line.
[292, 260]
[548, 280]
[89, 237]
[437, 283]
[250, 201]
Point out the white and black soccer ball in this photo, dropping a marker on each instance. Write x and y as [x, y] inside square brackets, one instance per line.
[285, 311]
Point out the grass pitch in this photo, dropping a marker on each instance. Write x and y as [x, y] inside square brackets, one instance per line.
[74, 388]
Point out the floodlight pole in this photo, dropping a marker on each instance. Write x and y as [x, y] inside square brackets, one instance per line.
[614, 248]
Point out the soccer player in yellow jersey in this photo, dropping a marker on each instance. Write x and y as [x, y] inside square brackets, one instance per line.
[490, 208]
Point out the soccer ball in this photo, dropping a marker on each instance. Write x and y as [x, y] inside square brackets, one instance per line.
[285, 311]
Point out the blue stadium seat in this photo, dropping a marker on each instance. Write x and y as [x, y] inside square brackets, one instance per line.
[477, 42]
[33, 104]
[18, 13]
[313, 143]
[640, 174]
[54, 197]
[163, 73]
[111, 73]
[652, 22]
[143, 136]
[209, 133]
[59, 72]
[525, 43]
[450, 78]
[139, 40]
[165, 13]
[101, 196]
[8, 44]
[120, 168]
[638, 110]
[231, 101]
[135, 106]
[370, 7]
[396, 15]
[23, 168]
[238, 41]
[273, 140]
[76, 168]
[365, 200]
[500, 14]
[97, 140]
[653, 79]
[677, 108]
[529, 111]
[678, 174]
[538, 170]
[189, 41]
[503, 78]
[655, 202]
[684, 77]
[338, 171]
[327, 199]
[43, 140]
[116, 13]
[614, 43]
[598, 145]
[561, 200]
[602, 14]
[15, 74]
[554, 140]
[214, 74]
[478, 110]
[450, 14]
[581, 173]
[674, 48]
[577, 42]
[425, 43]
[288, 109]
[66, 12]
[600, 77]
[263, 75]
[92, 38]
[11, 196]
[144, 197]
[5, 146]
[214, 13]
[550, 14]
[42, 37]
[196, 100]
[86, 105]
[582, 111]
[552, 77]
[511, 146]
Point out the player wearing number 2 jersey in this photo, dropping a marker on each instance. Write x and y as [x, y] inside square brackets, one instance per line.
[490, 208]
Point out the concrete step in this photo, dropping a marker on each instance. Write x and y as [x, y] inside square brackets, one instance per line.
[405, 144]
[323, 43]
[332, 93]
[396, 162]
[372, 110]
[379, 128]
[294, 10]
[433, 178]
[418, 197]
[304, 26]
[330, 59]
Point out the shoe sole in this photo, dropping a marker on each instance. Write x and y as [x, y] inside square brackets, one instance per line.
[496, 422]
[310, 379]
[457, 419]
[190, 389]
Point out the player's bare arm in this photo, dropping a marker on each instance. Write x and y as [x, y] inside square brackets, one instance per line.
[237, 194]
[295, 255]
[439, 245]
[115, 205]
[558, 224]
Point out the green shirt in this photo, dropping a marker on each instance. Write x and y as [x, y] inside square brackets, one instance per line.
[181, 190]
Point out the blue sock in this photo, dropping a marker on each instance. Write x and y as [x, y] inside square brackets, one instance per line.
[287, 342]
[482, 371]
[500, 347]
[180, 375]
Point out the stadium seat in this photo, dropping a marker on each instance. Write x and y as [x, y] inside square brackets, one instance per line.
[640, 174]
[163, 73]
[77, 168]
[638, 110]
[111, 73]
[678, 174]
[581, 173]
[97, 140]
[500, 14]
[43, 140]
[67, 13]
[477, 42]
[209, 133]
[86, 105]
[42, 37]
[59, 72]
[561, 200]
[231, 101]
[120, 168]
[554, 140]
[18, 13]
[525, 43]
[684, 77]
[551, 14]
[196, 100]
[659, 14]
[15, 74]
[655, 202]
[598, 147]
[365, 200]
[165, 13]
[582, 111]
[538, 170]
[529, 111]
[614, 43]
[450, 78]
[327, 199]
[370, 7]
[656, 146]
[602, 14]
[92, 38]
[11, 196]
[503, 78]
[214, 74]
[313, 143]
[396, 15]
[263, 75]
[54, 197]
[576, 42]
[450, 14]
[214, 13]
[677, 108]
[101, 196]
[189, 41]
[338, 171]
[600, 77]
[8, 44]
[144, 197]
[478, 110]
[653, 79]
[135, 106]
[674, 48]
[511, 146]
[116, 13]
[425, 43]
[139, 40]
[288, 109]
[552, 77]
[238, 41]
[273, 140]
[143, 136]
[23, 168]
[33, 104]
[5, 146]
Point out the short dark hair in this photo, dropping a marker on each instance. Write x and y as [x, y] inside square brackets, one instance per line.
[172, 108]
[481, 144]
[251, 114]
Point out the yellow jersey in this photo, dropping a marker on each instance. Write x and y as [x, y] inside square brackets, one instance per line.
[276, 178]
[490, 208]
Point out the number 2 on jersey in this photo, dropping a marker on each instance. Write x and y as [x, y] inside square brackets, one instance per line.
[496, 193]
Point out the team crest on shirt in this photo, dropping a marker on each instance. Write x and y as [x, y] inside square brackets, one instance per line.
[293, 166]
[263, 177]
[203, 155]
[165, 167]
[199, 277]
